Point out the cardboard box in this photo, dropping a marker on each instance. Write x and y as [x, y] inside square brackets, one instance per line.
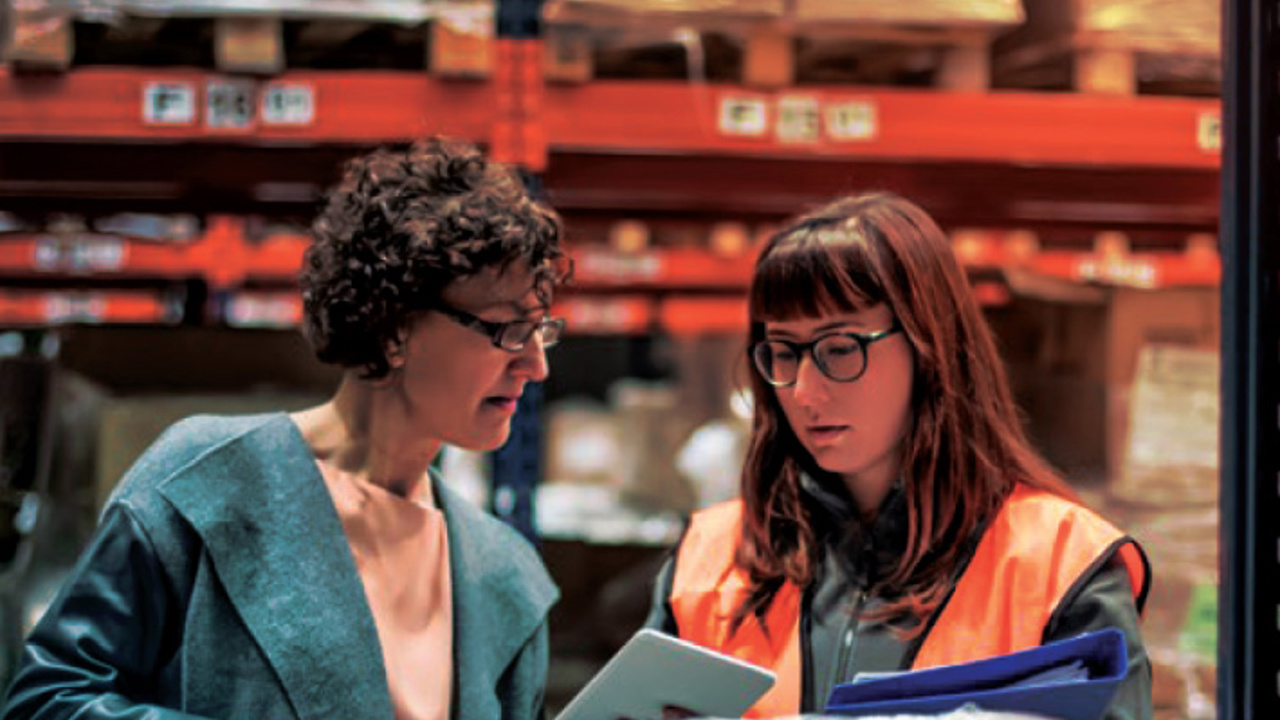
[249, 44]
[1170, 453]
[128, 425]
[1072, 363]
[38, 36]
[461, 46]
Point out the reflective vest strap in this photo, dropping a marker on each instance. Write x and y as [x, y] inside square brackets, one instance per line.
[707, 551]
[707, 590]
[1034, 552]
[784, 656]
[1135, 561]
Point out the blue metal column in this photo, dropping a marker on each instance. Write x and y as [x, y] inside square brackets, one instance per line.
[1249, 591]
[517, 465]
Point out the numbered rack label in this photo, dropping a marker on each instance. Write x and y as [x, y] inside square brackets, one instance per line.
[229, 104]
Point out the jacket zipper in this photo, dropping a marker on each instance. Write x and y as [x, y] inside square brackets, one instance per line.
[848, 640]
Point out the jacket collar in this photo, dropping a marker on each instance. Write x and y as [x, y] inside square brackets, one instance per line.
[278, 547]
[863, 551]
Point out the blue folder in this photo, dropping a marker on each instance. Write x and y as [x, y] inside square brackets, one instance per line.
[992, 684]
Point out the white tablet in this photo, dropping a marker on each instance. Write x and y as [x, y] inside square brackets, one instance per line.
[654, 670]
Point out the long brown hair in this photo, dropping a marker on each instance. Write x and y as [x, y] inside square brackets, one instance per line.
[965, 448]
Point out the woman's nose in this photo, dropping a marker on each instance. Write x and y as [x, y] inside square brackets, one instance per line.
[810, 384]
[532, 360]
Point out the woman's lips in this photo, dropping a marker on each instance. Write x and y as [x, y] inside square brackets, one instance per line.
[504, 403]
[825, 434]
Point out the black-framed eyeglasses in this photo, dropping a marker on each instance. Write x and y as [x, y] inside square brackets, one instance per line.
[841, 356]
[512, 335]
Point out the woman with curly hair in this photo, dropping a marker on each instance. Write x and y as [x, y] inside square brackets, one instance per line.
[893, 514]
[311, 565]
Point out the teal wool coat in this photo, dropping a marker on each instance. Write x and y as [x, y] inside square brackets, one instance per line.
[220, 584]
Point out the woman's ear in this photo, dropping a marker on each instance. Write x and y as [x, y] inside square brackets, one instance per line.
[394, 350]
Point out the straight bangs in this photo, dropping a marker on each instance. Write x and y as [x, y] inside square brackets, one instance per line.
[811, 272]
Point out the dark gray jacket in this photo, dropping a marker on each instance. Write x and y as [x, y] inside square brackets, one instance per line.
[836, 644]
[220, 584]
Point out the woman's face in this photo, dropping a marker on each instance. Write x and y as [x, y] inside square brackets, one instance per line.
[455, 386]
[854, 429]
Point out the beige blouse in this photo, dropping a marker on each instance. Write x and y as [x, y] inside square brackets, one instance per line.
[401, 550]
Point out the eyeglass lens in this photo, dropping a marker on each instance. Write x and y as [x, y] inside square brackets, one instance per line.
[839, 357]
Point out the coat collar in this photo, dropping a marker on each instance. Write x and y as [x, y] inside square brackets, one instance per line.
[501, 596]
[278, 547]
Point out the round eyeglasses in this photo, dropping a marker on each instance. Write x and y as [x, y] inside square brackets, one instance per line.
[511, 336]
[840, 356]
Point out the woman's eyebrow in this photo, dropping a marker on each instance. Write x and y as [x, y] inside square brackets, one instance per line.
[537, 308]
[826, 327]
[517, 306]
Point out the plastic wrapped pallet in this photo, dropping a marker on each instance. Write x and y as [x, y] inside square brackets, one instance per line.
[111, 11]
[1167, 497]
[942, 12]
[1171, 41]
[771, 44]
[1161, 26]
[248, 36]
[925, 12]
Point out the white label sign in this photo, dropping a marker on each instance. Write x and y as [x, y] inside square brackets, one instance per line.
[168, 103]
[1209, 132]
[743, 116]
[79, 254]
[620, 266]
[288, 104]
[799, 119]
[855, 120]
[251, 310]
[229, 104]
[69, 308]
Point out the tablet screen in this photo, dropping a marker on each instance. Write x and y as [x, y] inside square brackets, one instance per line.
[654, 670]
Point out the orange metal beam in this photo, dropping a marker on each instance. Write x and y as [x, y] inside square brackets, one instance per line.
[1068, 128]
[519, 133]
[606, 314]
[523, 117]
[25, 308]
[92, 103]
[227, 258]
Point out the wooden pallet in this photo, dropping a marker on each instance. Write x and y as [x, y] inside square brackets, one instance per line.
[1118, 47]
[455, 41]
[768, 43]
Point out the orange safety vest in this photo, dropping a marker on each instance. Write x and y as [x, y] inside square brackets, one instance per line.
[1032, 554]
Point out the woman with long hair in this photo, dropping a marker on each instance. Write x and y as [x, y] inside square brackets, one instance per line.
[893, 513]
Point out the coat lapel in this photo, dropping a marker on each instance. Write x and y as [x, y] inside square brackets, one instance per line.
[501, 595]
[278, 547]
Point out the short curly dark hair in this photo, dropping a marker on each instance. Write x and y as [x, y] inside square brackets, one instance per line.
[399, 227]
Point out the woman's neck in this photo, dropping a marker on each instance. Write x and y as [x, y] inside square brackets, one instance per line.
[869, 488]
[360, 432]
